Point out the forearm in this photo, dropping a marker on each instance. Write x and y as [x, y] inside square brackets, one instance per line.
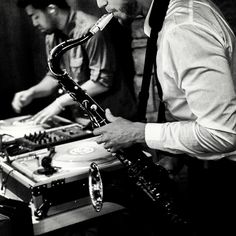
[94, 88]
[65, 100]
[188, 137]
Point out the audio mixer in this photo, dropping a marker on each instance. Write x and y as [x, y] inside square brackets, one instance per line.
[44, 139]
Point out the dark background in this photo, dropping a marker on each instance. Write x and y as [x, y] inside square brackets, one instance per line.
[22, 53]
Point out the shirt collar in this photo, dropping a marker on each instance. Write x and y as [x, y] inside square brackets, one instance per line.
[147, 28]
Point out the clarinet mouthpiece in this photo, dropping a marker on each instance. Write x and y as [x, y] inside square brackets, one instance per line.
[101, 23]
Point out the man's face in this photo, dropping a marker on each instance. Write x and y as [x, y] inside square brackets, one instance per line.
[41, 19]
[122, 9]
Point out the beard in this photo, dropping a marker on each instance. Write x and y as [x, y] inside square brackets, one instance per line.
[126, 13]
[130, 10]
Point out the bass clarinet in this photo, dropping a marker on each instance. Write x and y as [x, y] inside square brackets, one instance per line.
[151, 178]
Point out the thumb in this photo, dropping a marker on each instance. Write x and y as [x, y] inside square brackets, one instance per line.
[109, 115]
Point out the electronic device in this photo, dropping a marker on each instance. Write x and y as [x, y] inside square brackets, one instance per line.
[30, 137]
[66, 185]
[44, 139]
[16, 127]
[48, 165]
[66, 159]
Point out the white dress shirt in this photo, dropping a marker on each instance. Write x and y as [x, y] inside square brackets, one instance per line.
[197, 71]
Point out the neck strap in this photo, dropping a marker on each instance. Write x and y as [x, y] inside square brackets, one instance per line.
[157, 16]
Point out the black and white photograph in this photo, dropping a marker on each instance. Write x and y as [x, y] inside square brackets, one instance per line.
[118, 117]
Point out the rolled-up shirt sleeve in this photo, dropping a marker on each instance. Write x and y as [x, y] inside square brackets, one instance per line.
[101, 58]
[200, 67]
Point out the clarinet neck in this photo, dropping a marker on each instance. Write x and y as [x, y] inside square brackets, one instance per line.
[58, 51]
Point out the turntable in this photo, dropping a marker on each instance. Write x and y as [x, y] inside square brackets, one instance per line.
[67, 185]
[68, 159]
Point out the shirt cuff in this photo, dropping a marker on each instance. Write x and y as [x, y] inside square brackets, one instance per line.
[153, 135]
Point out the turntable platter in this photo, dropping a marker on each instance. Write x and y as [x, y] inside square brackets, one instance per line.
[80, 154]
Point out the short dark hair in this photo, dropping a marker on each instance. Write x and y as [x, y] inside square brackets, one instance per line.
[42, 4]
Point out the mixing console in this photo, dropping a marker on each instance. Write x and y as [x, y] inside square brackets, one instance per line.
[45, 139]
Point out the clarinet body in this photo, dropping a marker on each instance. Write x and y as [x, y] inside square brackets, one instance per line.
[150, 178]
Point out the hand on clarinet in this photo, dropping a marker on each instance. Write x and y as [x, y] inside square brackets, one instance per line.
[120, 133]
